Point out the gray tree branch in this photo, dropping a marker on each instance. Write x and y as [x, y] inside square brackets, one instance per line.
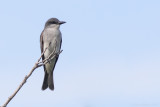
[38, 64]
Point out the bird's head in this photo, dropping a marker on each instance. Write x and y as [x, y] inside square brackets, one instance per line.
[54, 22]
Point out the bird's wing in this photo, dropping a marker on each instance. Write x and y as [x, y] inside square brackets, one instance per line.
[41, 46]
[56, 58]
[41, 41]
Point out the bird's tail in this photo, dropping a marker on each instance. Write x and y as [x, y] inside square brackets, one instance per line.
[45, 82]
[48, 81]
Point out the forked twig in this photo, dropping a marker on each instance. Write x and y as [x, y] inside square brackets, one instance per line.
[37, 64]
[44, 52]
[47, 60]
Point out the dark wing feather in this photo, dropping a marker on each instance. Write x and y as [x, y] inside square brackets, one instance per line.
[41, 41]
[41, 46]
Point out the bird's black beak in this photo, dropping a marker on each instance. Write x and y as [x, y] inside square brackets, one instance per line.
[61, 22]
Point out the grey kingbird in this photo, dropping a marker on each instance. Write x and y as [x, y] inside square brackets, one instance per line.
[50, 35]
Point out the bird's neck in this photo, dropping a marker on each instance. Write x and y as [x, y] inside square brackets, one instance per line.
[53, 27]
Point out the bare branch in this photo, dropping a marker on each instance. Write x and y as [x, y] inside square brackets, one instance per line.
[37, 64]
[49, 58]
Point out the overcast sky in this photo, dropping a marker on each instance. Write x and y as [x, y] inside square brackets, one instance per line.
[110, 58]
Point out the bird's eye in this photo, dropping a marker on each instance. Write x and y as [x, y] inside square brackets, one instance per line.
[53, 22]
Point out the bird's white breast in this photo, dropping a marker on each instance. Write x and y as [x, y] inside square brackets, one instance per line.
[52, 35]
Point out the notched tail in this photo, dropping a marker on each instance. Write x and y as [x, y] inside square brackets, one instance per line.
[50, 81]
[45, 82]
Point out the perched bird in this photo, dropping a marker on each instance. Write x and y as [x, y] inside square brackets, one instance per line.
[50, 35]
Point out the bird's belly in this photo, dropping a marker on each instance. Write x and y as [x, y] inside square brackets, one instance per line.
[53, 37]
[54, 47]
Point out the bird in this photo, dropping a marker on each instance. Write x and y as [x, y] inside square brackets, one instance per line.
[50, 37]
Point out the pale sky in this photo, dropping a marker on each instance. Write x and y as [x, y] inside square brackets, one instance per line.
[110, 58]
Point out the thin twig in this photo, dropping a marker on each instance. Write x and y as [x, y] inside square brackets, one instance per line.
[37, 64]
[49, 58]
[44, 52]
